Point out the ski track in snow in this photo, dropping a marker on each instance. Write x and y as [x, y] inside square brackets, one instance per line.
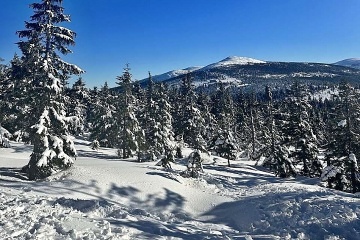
[103, 197]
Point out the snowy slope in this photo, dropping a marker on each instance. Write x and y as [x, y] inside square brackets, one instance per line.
[173, 73]
[103, 197]
[350, 62]
[229, 61]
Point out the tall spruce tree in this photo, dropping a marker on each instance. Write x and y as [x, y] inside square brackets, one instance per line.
[252, 129]
[270, 134]
[157, 122]
[47, 74]
[205, 103]
[21, 119]
[299, 132]
[5, 87]
[224, 142]
[241, 123]
[275, 152]
[151, 125]
[5, 104]
[165, 120]
[128, 136]
[190, 122]
[102, 117]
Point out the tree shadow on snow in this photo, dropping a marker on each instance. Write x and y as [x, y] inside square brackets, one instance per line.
[241, 178]
[169, 202]
[95, 154]
[122, 191]
[20, 148]
[13, 173]
[164, 175]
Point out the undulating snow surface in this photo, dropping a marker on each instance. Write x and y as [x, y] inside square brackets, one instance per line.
[103, 197]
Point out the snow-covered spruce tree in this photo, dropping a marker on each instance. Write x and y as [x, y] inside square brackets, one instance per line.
[5, 112]
[164, 118]
[251, 130]
[128, 136]
[270, 134]
[90, 109]
[190, 121]
[205, 103]
[5, 88]
[78, 98]
[47, 73]
[299, 132]
[343, 148]
[19, 118]
[318, 117]
[275, 153]
[150, 124]
[166, 133]
[3, 69]
[194, 166]
[102, 116]
[224, 142]
[241, 125]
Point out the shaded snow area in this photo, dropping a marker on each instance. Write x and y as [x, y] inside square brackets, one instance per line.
[103, 197]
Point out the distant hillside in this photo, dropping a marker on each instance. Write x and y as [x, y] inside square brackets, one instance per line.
[350, 62]
[172, 74]
[252, 74]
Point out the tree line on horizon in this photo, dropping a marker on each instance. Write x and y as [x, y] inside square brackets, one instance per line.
[296, 134]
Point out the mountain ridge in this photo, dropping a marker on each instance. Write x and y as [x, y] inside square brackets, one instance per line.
[349, 62]
[253, 74]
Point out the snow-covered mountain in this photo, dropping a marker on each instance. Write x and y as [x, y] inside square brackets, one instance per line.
[229, 61]
[252, 74]
[233, 60]
[350, 62]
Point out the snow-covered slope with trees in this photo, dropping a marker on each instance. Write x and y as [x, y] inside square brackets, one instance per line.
[106, 183]
[104, 197]
[174, 73]
[252, 74]
[350, 62]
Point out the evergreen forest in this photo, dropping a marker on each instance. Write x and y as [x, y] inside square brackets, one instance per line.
[291, 134]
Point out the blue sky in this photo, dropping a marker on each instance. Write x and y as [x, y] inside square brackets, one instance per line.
[162, 35]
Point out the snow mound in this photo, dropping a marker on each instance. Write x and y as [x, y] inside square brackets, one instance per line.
[24, 217]
[234, 60]
[81, 204]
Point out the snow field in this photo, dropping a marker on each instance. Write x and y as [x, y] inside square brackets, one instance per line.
[103, 197]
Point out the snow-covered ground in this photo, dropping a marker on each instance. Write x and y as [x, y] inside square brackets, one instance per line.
[103, 197]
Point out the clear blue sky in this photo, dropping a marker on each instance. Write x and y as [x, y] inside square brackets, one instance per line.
[162, 35]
